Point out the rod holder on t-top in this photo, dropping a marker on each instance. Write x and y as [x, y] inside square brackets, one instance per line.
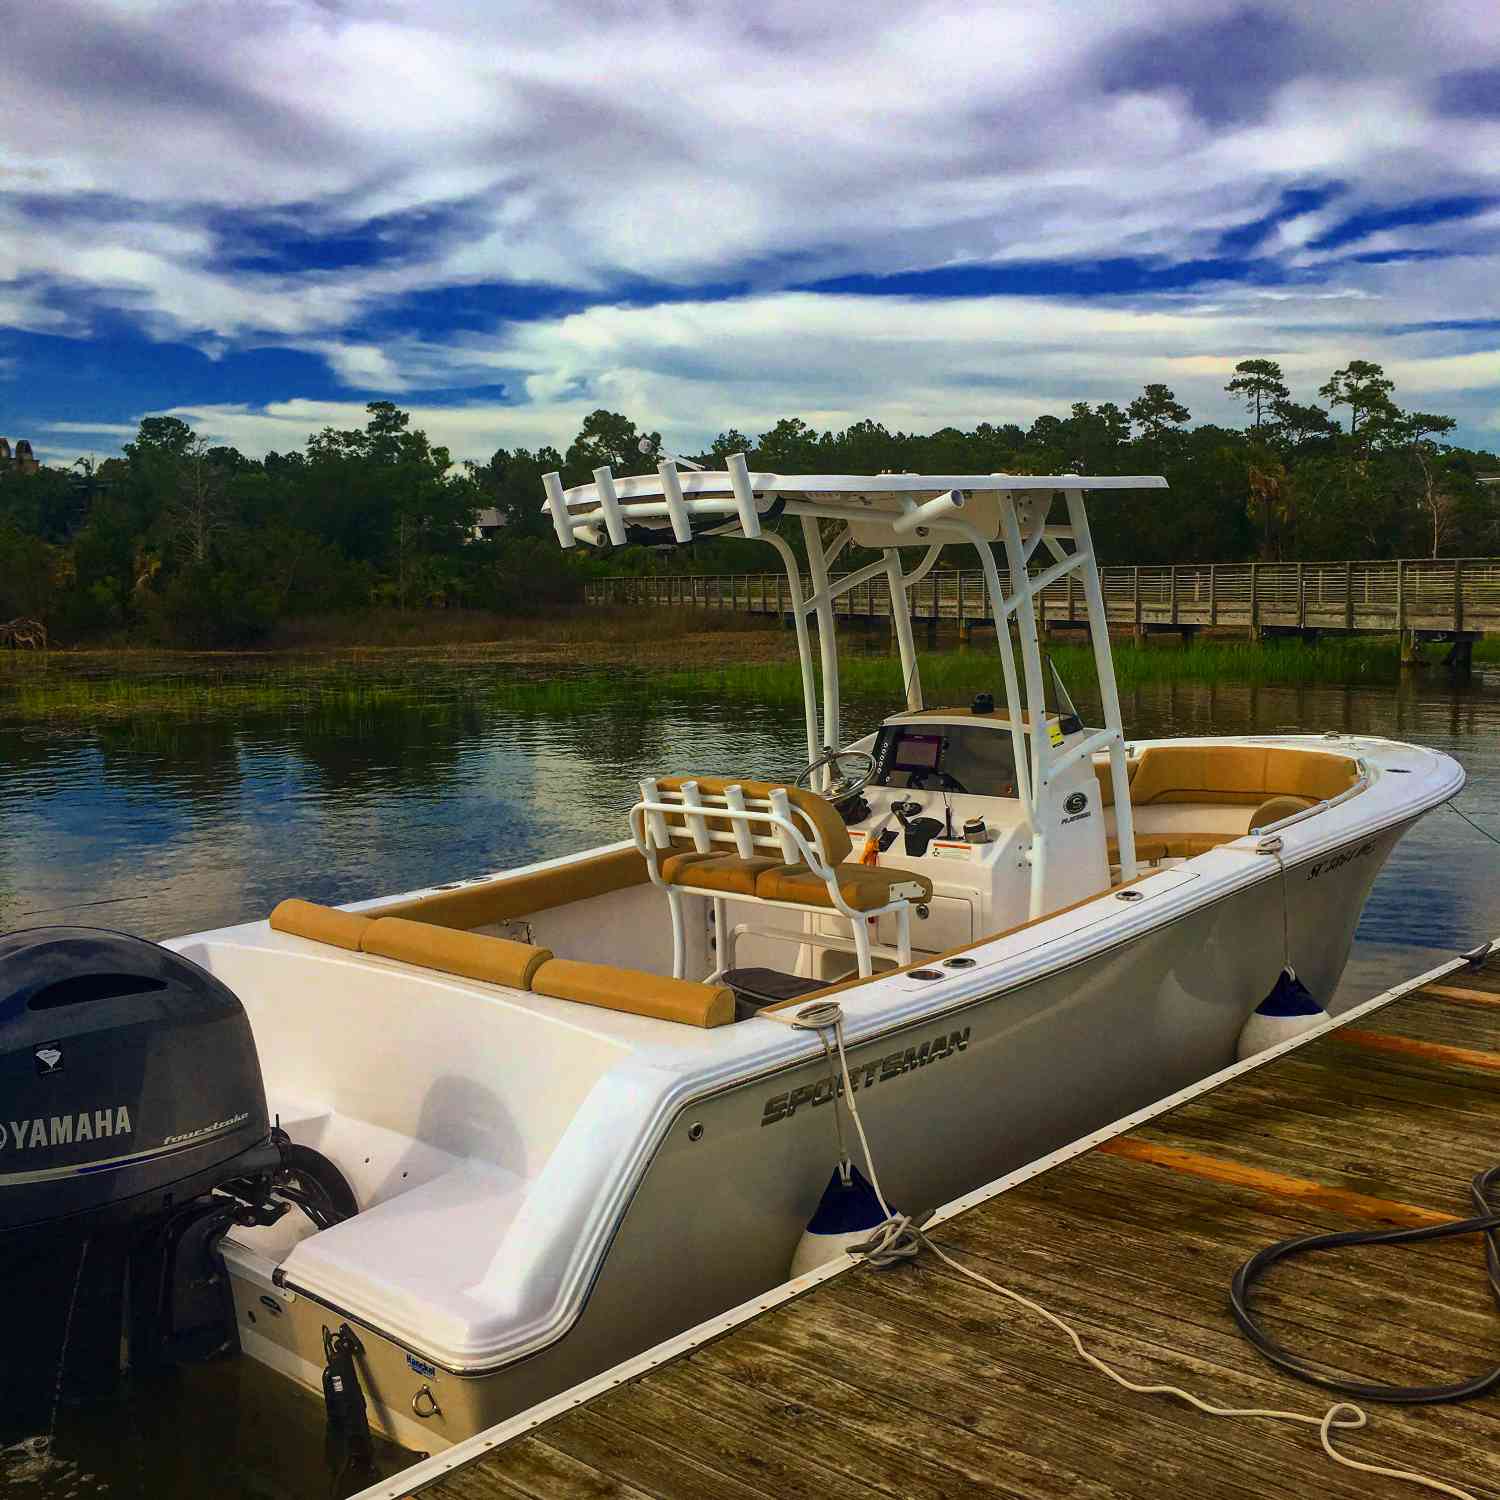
[884, 513]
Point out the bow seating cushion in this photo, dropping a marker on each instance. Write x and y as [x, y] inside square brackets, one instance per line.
[1151, 847]
[1230, 775]
[1238, 774]
[864, 887]
[641, 994]
[1274, 809]
[1107, 781]
[1147, 849]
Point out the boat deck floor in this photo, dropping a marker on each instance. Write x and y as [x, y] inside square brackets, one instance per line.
[914, 1382]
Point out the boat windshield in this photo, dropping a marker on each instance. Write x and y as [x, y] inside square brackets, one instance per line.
[977, 758]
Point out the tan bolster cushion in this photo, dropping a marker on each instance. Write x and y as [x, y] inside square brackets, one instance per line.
[1107, 781]
[1274, 809]
[1173, 846]
[495, 960]
[817, 811]
[727, 873]
[863, 887]
[512, 896]
[323, 924]
[635, 992]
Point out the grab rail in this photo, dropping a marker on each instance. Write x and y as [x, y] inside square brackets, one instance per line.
[1269, 843]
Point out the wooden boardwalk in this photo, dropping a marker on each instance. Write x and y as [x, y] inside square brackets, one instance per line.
[913, 1382]
[1423, 598]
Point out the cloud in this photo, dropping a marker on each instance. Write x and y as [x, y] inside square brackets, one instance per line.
[102, 429]
[578, 145]
[334, 178]
[694, 368]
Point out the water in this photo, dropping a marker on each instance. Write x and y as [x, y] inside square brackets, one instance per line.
[159, 828]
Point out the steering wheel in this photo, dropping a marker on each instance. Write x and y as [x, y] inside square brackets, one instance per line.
[847, 781]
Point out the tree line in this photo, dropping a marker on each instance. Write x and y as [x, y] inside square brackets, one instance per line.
[190, 543]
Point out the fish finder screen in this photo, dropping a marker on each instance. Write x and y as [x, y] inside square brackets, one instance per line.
[917, 752]
[977, 758]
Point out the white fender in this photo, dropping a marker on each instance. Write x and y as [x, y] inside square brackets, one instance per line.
[1287, 1011]
[848, 1214]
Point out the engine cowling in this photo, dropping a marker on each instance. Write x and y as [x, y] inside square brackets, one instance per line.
[129, 1080]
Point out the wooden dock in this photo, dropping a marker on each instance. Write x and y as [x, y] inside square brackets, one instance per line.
[1455, 599]
[914, 1382]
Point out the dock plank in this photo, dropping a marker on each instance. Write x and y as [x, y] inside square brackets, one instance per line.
[913, 1381]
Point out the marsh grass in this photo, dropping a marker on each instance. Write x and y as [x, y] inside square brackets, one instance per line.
[954, 677]
[358, 686]
[424, 629]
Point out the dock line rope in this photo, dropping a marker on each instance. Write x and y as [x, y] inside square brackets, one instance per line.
[1453, 807]
[902, 1238]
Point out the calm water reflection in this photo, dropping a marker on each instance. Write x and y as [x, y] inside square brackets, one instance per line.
[160, 828]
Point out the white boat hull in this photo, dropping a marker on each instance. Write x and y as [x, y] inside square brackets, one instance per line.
[952, 1098]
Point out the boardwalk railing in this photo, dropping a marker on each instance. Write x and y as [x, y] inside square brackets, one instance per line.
[1447, 595]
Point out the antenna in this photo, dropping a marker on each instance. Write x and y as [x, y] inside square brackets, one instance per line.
[648, 449]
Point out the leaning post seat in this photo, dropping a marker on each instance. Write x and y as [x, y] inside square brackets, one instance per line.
[758, 841]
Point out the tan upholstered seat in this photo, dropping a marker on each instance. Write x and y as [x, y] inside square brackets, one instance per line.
[864, 887]
[1147, 850]
[1242, 775]
[1274, 809]
[1151, 847]
[509, 897]
[726, 873]
[1107, 781]
[495, 960]
[638, 993]
[321, 924]
[763, 842]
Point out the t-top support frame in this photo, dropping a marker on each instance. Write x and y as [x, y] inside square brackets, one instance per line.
[900, 511]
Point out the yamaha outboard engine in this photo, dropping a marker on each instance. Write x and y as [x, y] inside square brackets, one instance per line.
[135, 1133]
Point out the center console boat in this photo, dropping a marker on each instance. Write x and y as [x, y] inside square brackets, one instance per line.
[570, 1102]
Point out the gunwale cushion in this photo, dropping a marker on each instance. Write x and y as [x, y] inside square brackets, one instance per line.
[509, 897]
[471, 955]
[635, 992]
[320, 924]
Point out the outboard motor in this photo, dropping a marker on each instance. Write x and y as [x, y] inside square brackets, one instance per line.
[133, 1133]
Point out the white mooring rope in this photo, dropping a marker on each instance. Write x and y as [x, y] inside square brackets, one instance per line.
[898, 1239]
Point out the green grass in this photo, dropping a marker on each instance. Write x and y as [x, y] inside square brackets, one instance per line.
[954, 677]
[347, 690]
[120, 696]
[423, 629]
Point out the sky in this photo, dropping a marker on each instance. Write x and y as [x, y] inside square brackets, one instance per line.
[258, 217]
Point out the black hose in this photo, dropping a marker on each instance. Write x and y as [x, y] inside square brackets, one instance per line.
[1487, 1223]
